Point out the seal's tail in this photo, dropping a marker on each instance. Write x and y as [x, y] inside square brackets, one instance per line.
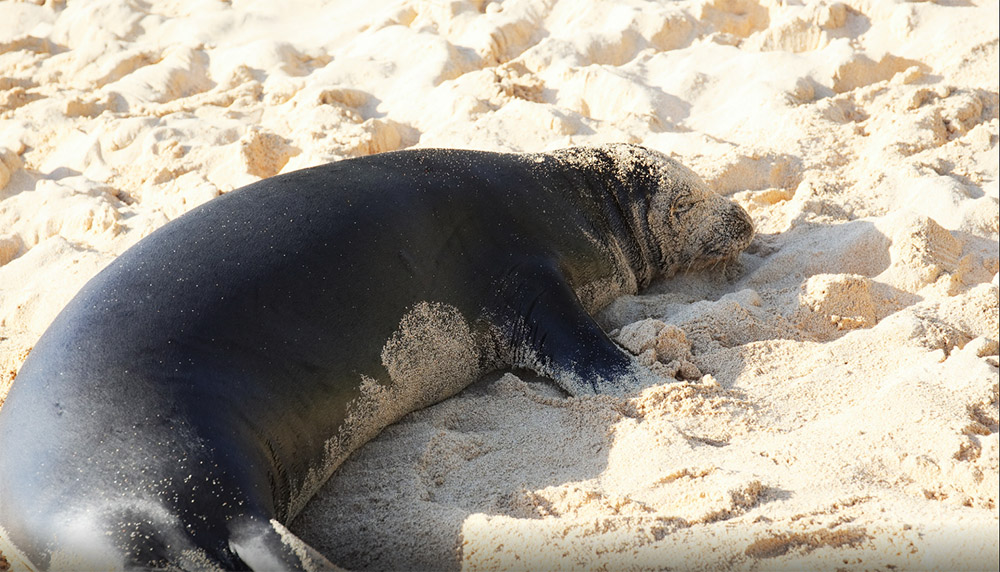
[267, 545]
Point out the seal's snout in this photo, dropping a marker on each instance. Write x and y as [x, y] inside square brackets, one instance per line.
[729, 235]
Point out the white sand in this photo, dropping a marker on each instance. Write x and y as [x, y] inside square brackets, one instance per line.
[848, 416]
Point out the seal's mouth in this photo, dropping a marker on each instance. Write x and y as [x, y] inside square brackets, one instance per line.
[707, 264]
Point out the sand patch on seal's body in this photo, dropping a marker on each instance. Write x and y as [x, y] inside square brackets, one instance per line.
[430, 357]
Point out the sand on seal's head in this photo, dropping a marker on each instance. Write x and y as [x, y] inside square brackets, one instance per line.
[694, 226]
[691, 226]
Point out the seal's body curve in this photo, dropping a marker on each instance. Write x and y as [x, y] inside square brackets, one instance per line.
[197, 391]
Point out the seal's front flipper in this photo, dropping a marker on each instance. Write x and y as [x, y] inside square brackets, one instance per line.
[267, 545]
[554, 336]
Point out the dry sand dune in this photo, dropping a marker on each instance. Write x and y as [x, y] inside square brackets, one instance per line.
[847, 415]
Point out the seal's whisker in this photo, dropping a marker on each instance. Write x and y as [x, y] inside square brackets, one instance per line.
[687, 268]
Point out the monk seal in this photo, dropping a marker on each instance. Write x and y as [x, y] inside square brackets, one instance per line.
[198, 390]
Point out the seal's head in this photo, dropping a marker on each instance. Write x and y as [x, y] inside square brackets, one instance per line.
[690, 225]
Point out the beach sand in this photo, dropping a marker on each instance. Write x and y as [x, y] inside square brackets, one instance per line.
[847, 417]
